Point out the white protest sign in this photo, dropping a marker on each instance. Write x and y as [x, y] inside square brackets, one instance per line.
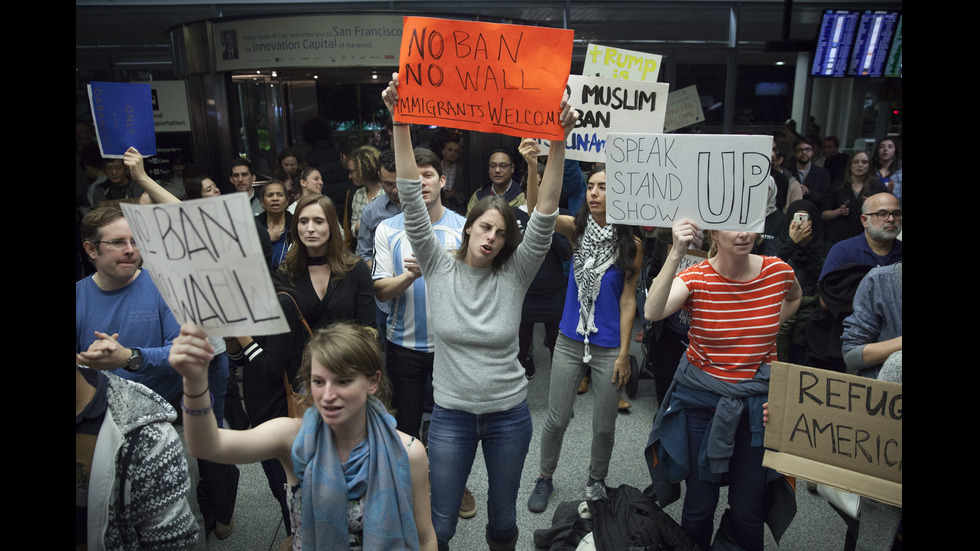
[603, 61]
[605, 105]
[718, 181]
[206, 260]
[683, 109]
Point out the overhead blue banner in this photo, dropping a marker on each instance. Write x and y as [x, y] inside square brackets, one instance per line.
[123, 115]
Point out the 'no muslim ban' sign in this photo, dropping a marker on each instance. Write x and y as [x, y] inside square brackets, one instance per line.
[610, 105]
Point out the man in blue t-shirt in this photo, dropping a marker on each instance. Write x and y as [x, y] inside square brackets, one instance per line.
[121, 321]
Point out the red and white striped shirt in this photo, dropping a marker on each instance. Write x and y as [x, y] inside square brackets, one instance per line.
[734, 323]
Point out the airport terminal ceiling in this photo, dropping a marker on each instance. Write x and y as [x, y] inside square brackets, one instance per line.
[136, 34]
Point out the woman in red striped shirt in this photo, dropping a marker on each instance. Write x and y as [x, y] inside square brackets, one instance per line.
[708, 431]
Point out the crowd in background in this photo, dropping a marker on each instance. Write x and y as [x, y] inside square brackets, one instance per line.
[338, 238]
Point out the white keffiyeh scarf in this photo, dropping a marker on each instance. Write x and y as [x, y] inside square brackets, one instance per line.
[595, 255]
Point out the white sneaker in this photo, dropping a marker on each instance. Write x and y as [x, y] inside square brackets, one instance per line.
[595, 490]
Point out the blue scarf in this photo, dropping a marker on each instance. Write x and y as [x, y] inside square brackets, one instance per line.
[377, 469]
[694, 388]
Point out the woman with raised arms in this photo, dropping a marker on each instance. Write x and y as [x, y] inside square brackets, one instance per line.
[479, 386]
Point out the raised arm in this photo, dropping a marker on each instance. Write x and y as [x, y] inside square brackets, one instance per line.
[134, 162]
[190, 355]
[401, 136]
[550, 190]
[529, 150]
[668, 293]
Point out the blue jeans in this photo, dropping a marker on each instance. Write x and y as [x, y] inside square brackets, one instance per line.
[453, 437]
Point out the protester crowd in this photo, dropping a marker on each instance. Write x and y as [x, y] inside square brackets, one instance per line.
[408, 358]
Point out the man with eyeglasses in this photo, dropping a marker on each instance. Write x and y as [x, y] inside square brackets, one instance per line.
[502, 182]
[377, 211]
[814, 179]
[881, 215]
[117, 186]
[122, 324]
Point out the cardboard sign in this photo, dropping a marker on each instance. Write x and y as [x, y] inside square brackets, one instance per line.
[718, 181]
[840, 430]
[692, 258]
[683, 109]
[206, 260]
[603, 61]
[123, 115]
[505, 79]
[605, 105]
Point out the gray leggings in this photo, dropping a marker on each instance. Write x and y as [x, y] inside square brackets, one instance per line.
[567, 370]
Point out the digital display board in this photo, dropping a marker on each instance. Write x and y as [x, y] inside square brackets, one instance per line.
[834, 43]
[872, 43]
[894, 66]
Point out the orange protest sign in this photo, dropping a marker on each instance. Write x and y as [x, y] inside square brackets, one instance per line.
[489, 77]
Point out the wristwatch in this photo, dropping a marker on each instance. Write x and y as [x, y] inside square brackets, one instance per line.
[135, 361]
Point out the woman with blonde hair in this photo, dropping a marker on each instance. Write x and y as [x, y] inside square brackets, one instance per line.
[709, 427]
[366, 174]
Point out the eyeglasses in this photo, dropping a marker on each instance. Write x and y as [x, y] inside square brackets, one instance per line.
[804, 149]
[387, 185]
[119, 244]
[501, 166]
[884, 214]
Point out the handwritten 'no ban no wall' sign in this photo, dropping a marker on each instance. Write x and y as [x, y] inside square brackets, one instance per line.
[488, 77]
[206, 260]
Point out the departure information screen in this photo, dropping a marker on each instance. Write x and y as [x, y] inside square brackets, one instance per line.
[835, 42]
[873, 43]
[894, 66]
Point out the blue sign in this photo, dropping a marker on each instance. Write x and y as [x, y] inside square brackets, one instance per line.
[123, 115]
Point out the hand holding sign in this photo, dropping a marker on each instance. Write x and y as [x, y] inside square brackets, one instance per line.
[569, 116]
[390, 94]
[685, 233]
[134, 162]
[529, 150]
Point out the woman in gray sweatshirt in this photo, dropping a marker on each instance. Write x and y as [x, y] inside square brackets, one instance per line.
[475, 302]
